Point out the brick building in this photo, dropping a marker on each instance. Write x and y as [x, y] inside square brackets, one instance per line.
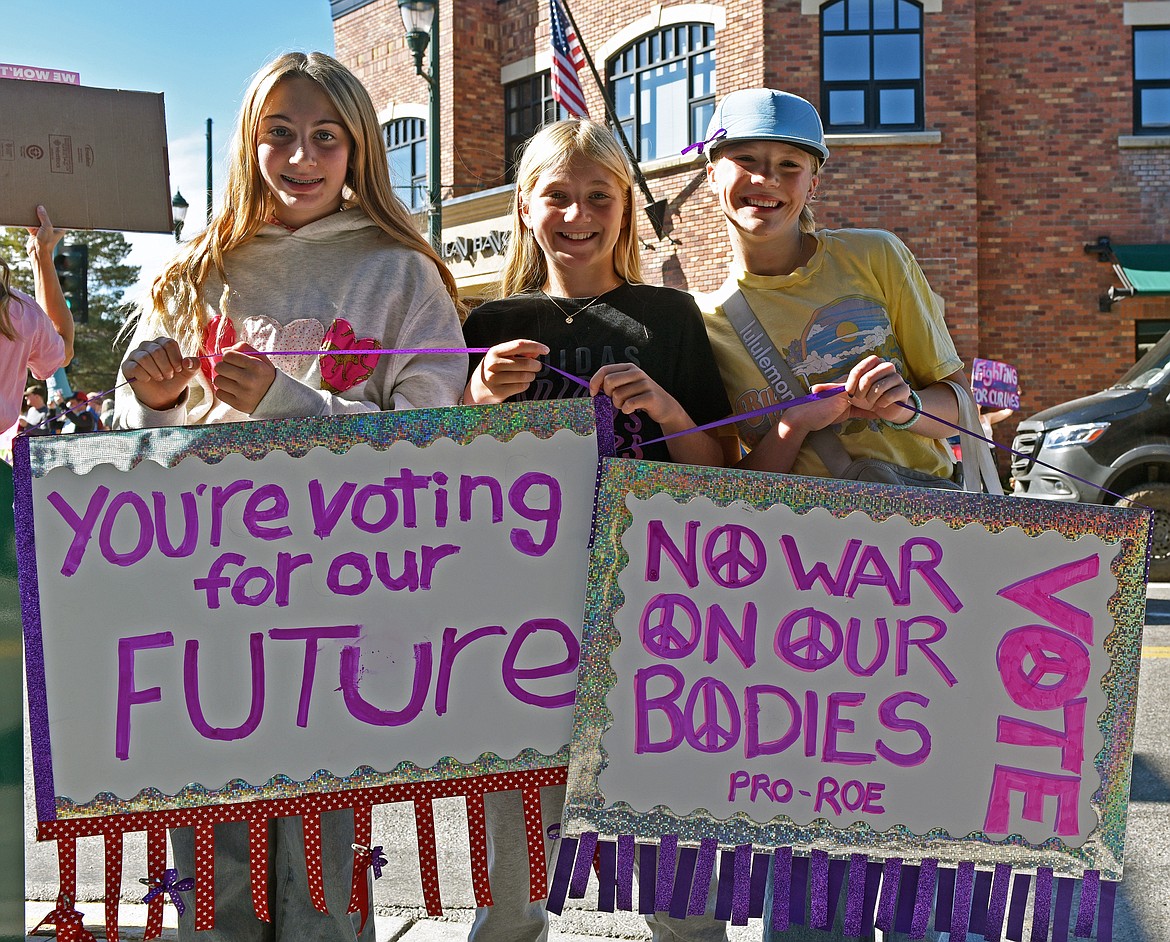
[999, 140]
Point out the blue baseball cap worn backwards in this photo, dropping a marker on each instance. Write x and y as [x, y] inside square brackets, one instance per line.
[764, 114]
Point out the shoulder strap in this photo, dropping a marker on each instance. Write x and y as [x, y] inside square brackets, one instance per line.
[780, 377]
[979, 472]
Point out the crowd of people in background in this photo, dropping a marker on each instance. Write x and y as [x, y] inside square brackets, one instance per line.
[63, 415]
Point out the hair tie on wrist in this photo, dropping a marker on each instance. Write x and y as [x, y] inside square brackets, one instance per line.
[917, 407]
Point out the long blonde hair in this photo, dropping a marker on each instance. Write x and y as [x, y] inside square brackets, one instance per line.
[6, 327]
[555, 146]
[175, 309]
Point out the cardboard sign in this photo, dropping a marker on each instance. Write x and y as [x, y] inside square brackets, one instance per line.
[995, 384]
[899, 673]
[96, 158]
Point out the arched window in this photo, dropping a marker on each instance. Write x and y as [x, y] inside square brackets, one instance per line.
[871, 66]
[663, 87]
[406, 152]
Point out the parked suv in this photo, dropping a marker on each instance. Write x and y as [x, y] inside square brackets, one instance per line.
[1117, 440]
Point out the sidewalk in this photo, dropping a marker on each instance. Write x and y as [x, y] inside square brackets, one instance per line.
[575, 925]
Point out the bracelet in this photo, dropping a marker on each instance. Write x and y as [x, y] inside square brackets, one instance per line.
[917, 407]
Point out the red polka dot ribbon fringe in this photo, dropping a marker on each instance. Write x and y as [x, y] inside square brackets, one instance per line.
[257, 814]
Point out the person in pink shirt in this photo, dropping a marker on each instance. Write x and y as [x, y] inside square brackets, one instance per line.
[30, 338]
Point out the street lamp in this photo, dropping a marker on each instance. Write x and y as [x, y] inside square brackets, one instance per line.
[178, 212]
[421, 21]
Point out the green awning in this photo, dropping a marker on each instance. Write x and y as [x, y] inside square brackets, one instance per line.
[1144, 268]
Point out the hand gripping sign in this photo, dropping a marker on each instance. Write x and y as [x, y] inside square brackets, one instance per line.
[240, 622]
[927, 699]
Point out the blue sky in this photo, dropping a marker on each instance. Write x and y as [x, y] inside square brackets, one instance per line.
[199, 54]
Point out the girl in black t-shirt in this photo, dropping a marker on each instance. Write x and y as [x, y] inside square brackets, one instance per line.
[572, 290]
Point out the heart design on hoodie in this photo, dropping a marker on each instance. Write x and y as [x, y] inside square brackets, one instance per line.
[268, 336]
[341, 372]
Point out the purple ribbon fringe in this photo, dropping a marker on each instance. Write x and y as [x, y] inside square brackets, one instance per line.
[969, 903]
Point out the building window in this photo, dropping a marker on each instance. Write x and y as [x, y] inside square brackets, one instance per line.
[1147, 334]
[663, 87]
[528, 105]
[1151, 80]
[406, 151]
[871, 66]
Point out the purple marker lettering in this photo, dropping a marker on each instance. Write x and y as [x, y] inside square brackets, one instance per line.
[741, 643]
[359, 564]
[881, 575]
[145, 530]
[1070, 741]
[362, 500]
[659, 628]
[219, 501]
[430, 558]
[686, 563]
[811, 722]
[286, 564]
[267, 585]
[362, 710]
[190, 525]
[1027, 656]
[852, 637]
[327, 513]
[905, 642]
[312, 638]
[835, 724]
[469, 484]
[82, 527]
[928, 569]
[549, 515]
[128, 695]
[734, 556]
[752, 745]
[441, 510]
[1035, 787]
[565, 667]
[889, 718]
[1037, 594]
[191, 692]
[215, 580]
[452, 645]
[664, 703]
[409, 484]
[255, 515]
[708, 703]
[407, 580]
[819, 572]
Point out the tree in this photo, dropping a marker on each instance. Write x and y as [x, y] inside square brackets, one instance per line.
[96, 351]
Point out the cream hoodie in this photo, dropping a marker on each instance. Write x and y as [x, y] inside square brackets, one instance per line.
[339, 279]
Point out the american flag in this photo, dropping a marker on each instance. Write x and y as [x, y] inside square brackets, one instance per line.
[567, 59]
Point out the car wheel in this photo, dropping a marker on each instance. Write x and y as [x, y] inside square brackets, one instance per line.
[1156, 496]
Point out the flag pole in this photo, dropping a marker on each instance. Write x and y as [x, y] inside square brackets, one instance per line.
[656, 209]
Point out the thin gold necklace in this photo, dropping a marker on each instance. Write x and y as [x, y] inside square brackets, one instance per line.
[569, 317]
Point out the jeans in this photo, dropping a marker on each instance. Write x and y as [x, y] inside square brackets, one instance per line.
[294, 917]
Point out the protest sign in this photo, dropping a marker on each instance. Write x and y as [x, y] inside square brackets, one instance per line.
[995, 385]
[238, 622]
[885, 681]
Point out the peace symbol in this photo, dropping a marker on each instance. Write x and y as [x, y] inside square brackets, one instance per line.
[707, 735]
[1027, 656]
[818, 646]
[740, 561]
[660, 636]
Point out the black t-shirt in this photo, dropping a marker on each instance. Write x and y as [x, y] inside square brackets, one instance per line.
[658, 329]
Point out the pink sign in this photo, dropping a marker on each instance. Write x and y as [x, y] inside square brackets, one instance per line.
[995, 384]
[31, 73]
